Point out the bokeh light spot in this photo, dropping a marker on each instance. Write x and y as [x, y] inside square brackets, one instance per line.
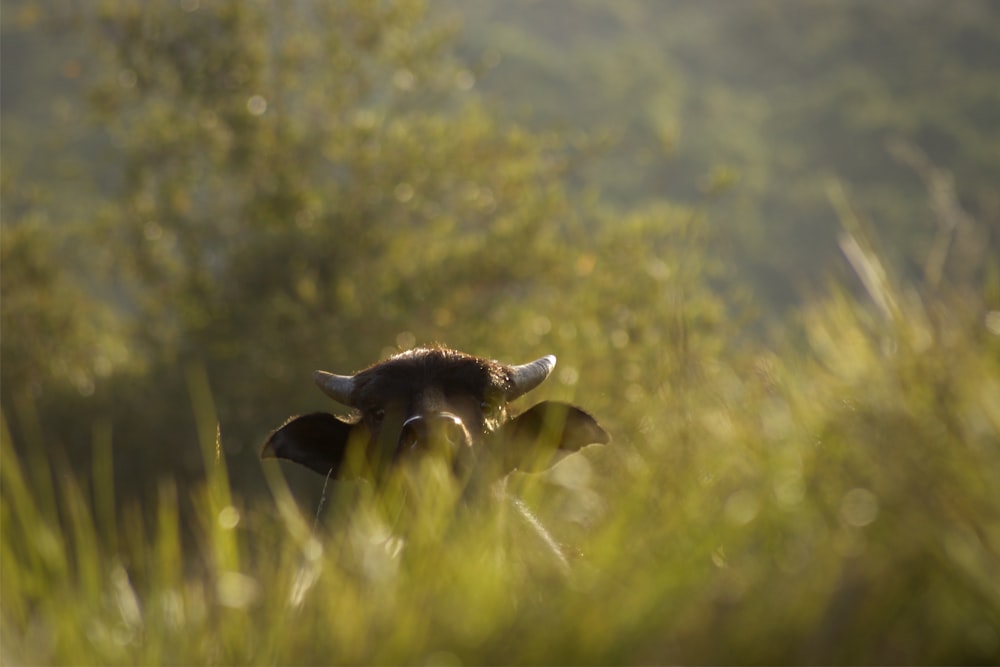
[229, 517]
[257, 105]
[569, 376]
[236, 590]
[741, 508]
[992, 321]
[406, 340]
[859, 507]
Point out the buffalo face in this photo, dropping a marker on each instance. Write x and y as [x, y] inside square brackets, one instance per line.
[436, 402]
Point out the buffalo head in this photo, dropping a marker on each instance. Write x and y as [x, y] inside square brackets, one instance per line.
[435, 401]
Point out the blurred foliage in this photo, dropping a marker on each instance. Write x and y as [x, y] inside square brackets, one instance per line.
[203, 202]
[748, 107]
[836, 505]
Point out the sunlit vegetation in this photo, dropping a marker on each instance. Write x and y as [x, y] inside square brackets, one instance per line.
[834, 504]
[803, 474]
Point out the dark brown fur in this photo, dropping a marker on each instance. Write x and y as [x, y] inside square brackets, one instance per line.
[434, 382]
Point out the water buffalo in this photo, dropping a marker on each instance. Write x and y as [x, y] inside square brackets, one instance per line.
[434, 400]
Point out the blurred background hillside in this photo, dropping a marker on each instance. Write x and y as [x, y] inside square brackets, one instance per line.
[707, 210]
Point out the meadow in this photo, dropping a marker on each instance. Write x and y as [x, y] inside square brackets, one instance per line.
[837, 504]
[760, 236]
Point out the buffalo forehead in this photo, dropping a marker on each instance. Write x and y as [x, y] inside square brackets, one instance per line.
[429, 373]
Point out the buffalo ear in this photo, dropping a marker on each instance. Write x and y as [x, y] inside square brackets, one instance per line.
[531, 440]
[318, 441]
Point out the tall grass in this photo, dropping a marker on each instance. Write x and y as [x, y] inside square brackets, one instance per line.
[834, 501]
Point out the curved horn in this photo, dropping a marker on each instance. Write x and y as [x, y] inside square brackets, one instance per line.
[337, 387]
[526, 377]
